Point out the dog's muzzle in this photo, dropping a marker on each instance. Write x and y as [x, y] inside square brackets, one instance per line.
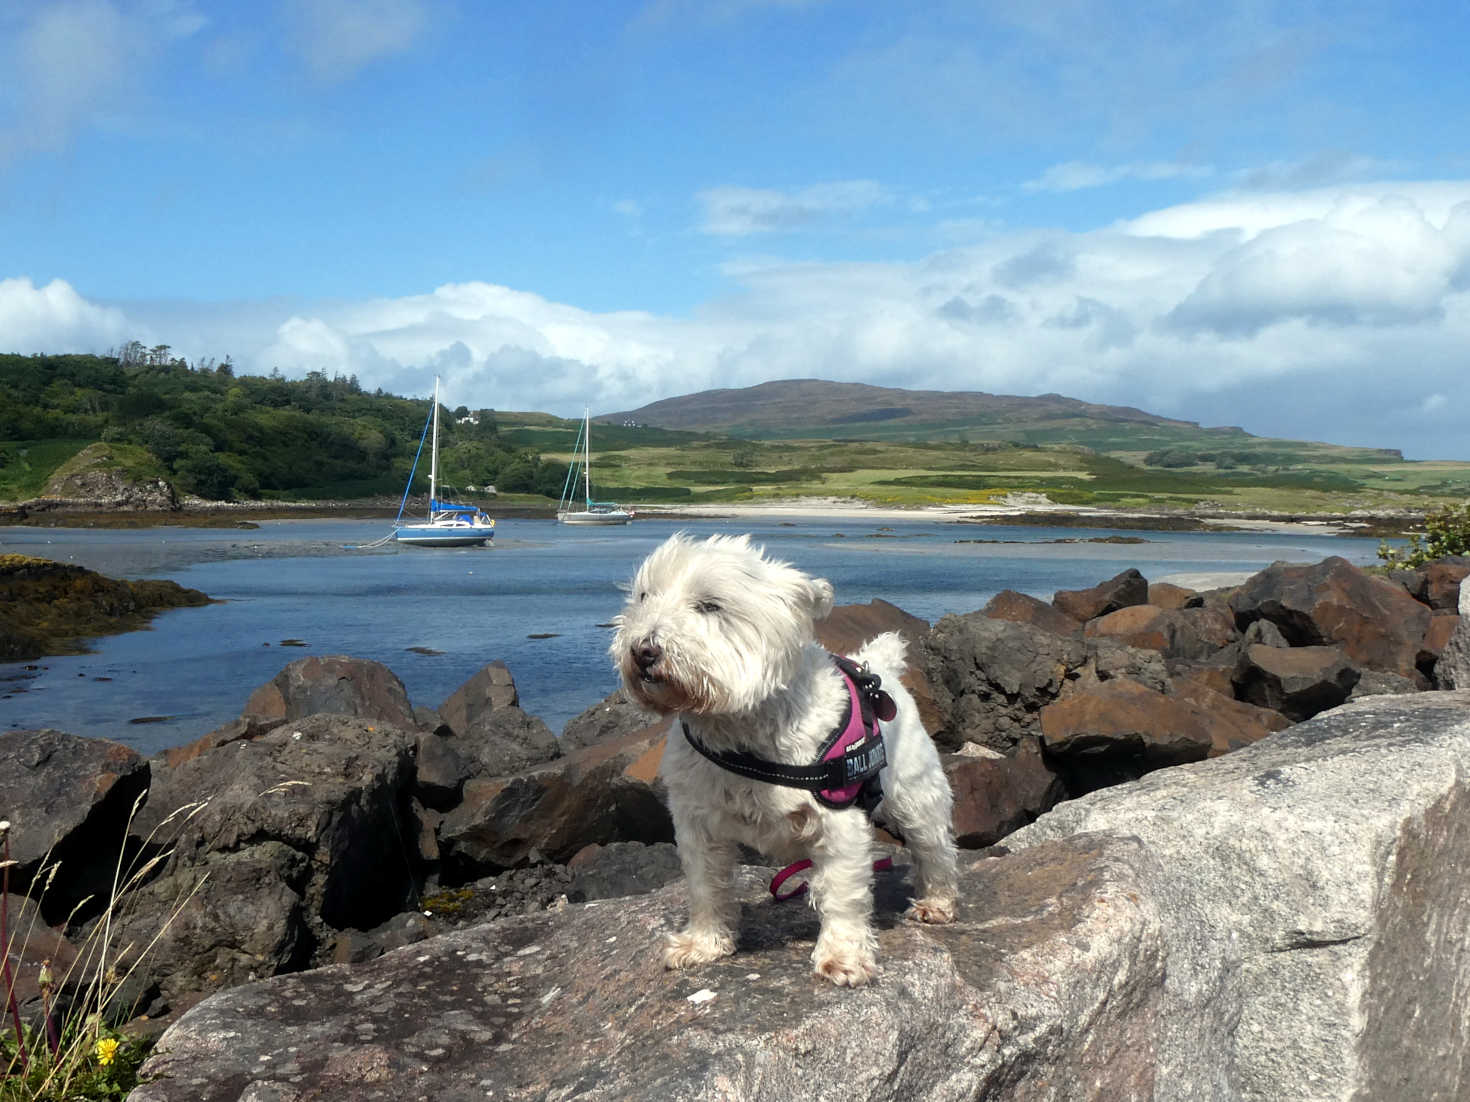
[646, 655]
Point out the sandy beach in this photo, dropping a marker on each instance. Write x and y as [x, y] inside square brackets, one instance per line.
[1031, 508]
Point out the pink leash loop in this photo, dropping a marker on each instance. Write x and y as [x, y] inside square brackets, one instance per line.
[801, 866]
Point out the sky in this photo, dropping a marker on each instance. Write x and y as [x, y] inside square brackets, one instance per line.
[1252, 214]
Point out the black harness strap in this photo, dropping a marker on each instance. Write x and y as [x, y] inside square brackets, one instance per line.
[861, 762]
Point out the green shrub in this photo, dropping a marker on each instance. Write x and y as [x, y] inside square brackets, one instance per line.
[1446, 532]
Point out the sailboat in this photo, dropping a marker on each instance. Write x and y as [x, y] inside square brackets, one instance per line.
[591, 512]
[448, 524]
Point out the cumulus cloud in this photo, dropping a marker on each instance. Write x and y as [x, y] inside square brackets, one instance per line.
[336, 38]
[1330, 315]
[738, 211]
[57, 319]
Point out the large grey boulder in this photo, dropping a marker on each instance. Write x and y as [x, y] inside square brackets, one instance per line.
[1046, 988]
[1315, 893]
[1285, 921]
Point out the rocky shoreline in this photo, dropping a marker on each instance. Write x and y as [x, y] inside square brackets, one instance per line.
[337, 821]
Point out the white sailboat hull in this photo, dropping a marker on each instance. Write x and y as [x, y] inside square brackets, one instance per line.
[583, 516]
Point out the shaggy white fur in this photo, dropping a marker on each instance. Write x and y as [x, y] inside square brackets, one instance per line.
[719, 636]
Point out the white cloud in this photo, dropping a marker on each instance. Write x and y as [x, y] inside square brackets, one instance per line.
[1330, 315]
[1079, 176]
[54, 318]
[739, 211]
[336, 38]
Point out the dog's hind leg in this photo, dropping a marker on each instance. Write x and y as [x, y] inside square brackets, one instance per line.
[925, 816]
[842, 892]
[709, 867]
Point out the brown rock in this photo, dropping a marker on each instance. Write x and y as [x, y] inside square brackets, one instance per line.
[1127, 719]
[1298, 682]
[1021, 608]
[1169, 595]
[488, 688]
[1188, 634]
[1234, 723]
[334, 684]
[1442, 580]
[68, 800]
[995, 794]
[601, 793]
[1128, 588]
[1333, 602]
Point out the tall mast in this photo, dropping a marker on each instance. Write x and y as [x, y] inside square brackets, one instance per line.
[434, 455]
[587, 443]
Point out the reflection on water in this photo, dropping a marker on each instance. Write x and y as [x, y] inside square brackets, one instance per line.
[540, 600]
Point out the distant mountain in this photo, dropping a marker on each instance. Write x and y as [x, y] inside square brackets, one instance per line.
[817, 408]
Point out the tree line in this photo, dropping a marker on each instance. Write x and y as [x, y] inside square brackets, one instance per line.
[227, 436]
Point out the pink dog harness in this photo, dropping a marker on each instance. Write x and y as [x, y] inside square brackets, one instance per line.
[850, 759]
[847, 766]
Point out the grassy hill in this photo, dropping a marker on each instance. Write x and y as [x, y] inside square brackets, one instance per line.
[271, 439]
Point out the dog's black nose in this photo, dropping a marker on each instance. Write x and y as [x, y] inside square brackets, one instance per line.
[646, 654]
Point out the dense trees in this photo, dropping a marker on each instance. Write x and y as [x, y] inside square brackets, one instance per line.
[223, 435]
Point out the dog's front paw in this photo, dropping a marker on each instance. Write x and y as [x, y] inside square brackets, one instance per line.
[931, 909]
[846, 965]
[690, 947]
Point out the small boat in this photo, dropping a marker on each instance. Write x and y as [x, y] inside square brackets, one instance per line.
[448, 524]
[590, 512]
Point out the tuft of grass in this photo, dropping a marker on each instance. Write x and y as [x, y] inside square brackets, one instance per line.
[76, 1052]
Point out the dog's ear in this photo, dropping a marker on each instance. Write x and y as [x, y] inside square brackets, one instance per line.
[819, 597]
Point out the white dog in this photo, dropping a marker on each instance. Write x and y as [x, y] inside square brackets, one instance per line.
[719, 637]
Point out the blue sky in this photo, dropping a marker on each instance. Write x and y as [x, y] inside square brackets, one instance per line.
[1254, 214]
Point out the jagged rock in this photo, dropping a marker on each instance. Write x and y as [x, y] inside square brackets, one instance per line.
[1123, 719]
[1442, 579]
[440, 770]
[245, 727]
[991, 677]
[1187, 634]
[1298, 682]
[1333, 602]
[1381, 683]
[1046, 987]
[1314, 931]
[506, 740]
[610, 718]
[1128, 588]
[1235, 724]
[94, 479]
[68, 800]
[1022, 608]
[604, 793]
[995, 793]
[338, 684]
[1441, 630]
[1108, 660]
[1169, 595]
[622, 868]
[488, 688]
[1265, 633]
[301, 831]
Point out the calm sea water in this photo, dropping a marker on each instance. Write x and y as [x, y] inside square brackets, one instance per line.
[539, 600]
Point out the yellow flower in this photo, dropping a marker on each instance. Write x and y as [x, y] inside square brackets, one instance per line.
[106, 1050]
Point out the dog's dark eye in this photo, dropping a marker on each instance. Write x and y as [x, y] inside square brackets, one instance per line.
[706, 606]
[642, 596]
